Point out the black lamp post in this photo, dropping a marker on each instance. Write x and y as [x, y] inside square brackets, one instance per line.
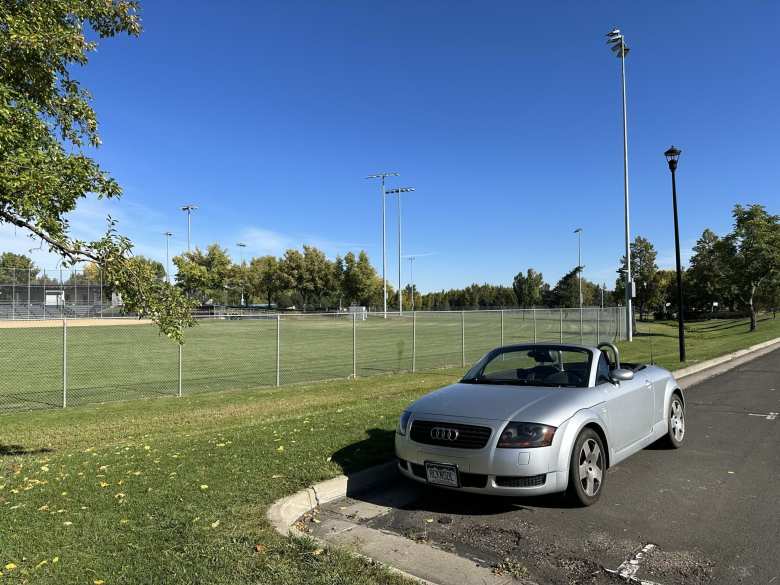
[671, 156]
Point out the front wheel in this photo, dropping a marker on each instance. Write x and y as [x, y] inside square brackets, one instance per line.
[587, 468]
[676, 432]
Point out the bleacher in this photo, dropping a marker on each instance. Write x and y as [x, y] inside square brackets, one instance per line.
[22, 311]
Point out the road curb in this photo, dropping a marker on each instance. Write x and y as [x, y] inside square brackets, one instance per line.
[284, 513]
[697, 373]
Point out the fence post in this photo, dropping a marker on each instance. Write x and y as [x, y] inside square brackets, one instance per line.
[414, 341]
[278, 349]
[64, 363]
[561, 324]
[463, 338]
[582, 338]
[354, 345]
[598, 326]
[533, 312]
[178, 394]
[502, 327]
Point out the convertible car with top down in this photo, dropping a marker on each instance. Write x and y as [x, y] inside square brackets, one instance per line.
[540, 418]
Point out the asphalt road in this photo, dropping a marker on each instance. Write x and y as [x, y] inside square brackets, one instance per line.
[711, 510]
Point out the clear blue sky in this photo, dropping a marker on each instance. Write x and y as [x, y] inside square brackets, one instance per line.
[505, 116]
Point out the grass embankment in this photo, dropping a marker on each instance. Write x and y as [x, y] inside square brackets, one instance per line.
[176, 490]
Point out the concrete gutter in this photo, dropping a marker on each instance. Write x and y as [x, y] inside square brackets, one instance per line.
[417, 561]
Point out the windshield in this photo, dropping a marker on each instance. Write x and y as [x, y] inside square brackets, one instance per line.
[535, 365]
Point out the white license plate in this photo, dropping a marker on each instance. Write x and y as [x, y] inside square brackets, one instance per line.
[441, 474]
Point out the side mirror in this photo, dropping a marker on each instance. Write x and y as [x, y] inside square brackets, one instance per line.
[621, 375]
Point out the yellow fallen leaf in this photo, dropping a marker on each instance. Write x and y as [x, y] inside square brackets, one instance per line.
[124, 521]
[67, 523]
[280, 448]
[203, 486]
[215, 524]
[99, 582]
[10, 567]
[44, 468]
[55, 560]
[103, 484]
[43, 562]
[146, 447]
[429, 520]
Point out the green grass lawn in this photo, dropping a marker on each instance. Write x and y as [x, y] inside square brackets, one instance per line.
[175, 490]
[132, 361]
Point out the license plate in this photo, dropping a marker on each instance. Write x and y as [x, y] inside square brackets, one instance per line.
[442, 474]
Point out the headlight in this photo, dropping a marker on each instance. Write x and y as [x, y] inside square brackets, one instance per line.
[403, 422]
[520, 435]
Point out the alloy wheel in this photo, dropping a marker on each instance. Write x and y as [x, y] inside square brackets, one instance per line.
[591, 467]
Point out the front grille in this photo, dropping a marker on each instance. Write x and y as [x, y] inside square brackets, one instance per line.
[469, 436]
[523, 481]
[473, 480]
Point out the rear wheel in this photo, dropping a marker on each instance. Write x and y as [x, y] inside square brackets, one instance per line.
[676, 433]
[587, 468]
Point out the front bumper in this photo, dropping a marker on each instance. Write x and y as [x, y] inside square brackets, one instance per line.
[508, 472]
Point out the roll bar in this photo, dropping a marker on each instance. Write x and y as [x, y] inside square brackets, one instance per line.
[615, 351]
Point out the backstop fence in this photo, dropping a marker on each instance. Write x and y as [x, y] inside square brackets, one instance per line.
[55, 364]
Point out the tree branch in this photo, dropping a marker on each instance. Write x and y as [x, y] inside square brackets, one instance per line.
[71, 253]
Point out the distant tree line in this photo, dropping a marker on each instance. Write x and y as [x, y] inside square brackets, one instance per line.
[739, 271]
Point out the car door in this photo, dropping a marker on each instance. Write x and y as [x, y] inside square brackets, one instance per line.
[629, 409]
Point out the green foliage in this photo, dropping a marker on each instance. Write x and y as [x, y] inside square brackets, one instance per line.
[205, 276]
[10, 263]
[528, 288]
[751, 253]
[46, 122]
[644, 272]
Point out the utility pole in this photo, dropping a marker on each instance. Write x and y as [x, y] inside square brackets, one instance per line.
[382, 177]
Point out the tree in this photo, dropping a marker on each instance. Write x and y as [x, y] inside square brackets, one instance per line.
[751, 253]
[528, 288]
[205, 276]
[644, 272]
[264, 278]
[361, 284]
[11, 264]
[707, 277]
[46, 125]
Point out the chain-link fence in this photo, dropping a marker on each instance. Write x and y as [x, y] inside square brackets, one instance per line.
[72, 362]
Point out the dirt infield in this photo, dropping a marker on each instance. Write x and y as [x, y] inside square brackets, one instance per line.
[94, 322]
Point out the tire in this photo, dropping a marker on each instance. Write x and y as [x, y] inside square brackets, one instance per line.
[587, 469]
[675, 435]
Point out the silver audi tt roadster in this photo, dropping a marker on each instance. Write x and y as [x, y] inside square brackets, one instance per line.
[539, 418]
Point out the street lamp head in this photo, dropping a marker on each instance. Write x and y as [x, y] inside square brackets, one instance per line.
[578, 231]
[189, 207]
[671, 157]
[382, 175]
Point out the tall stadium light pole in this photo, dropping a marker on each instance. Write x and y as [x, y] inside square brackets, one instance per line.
[167, 256]
[382, 177]
[671, 156]
[411, 277]
[578, 231]
[398, 192]
[242, 245]
[617, 44]
[189, 208]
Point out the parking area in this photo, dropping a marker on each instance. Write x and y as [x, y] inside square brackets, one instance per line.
[707, 513]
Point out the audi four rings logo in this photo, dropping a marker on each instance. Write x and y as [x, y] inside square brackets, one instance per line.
[444, 434]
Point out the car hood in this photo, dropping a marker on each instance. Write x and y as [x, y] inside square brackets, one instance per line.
[543, 405]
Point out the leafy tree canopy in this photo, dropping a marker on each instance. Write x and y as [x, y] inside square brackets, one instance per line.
[47, 122]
